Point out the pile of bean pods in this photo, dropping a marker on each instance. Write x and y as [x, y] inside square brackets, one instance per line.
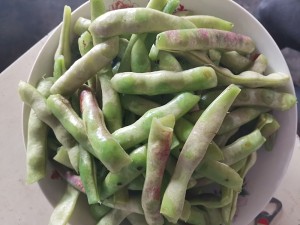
[149, 109]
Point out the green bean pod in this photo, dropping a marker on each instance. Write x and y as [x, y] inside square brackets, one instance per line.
[164, 82]
[136, 21]
[206, 21]
[266, 98]
[203, 39]
[256, 97]
[64, 44]
[81, 25]
[36, 147]
[138, 132]
[37, 102]
[168, 62]
[158, 151]
[243, 147]
[85, 43]
[247, 78]
[97, 8]
[234, 61]
[62, 157]
[111, 105]
[140, 62]
[115, 181]
[64, 209]
[108, 150]
[86, 67]
[239, 117]
[59, 66]
[191, 155]
[215, 56]
[221, 174]
[88, 176]
[260, 64]
[136, 104]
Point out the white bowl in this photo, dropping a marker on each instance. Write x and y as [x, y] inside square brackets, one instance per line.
[270, 168]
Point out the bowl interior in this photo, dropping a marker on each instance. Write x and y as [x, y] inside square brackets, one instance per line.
[266, 175]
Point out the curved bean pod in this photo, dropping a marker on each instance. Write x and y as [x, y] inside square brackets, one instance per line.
[203, 39]
[239, 117]
[258, 97]
[64, 209]
[164, 82]
[191, 154]
[243, 147]
[140, 62]
[205, 21]
[158, 151]
[246, 78]
[136, 21]
[260, 64]
[115, 181]
[236, 62]
[86, 67]
[37, 102]
[111, 105]
[108, 150]
[168, 62]
[87, 175]
[81, 25]
[64, 44]
[138, 132]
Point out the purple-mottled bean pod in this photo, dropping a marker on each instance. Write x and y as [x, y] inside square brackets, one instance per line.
[203, 39]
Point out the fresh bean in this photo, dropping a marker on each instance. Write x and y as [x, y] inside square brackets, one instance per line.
[215, 56]
[37, 102]
[81, 25]
[221, 173]
[206, 21]
[239, 117]
[136, 21]
[111, 105]
[168, 62]
[260, 64]
[64, 44]
[85, 43]
[158, 151]
[109, 151]
[86, 67]
[246, 78]
[243, 147]
[228, 211]
[138, 132]
[203, 39]
[266, 98]
[164, 82]
[234, 61]
[87, 175]
[59, 66]
[115, 181]
[140, 62]
[256, 97]
[191, 154]
[62, 157]
[64, 209]
[171, 6]
[36, 154]
[97, 8]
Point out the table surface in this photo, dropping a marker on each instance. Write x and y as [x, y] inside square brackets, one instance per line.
[24, 204]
